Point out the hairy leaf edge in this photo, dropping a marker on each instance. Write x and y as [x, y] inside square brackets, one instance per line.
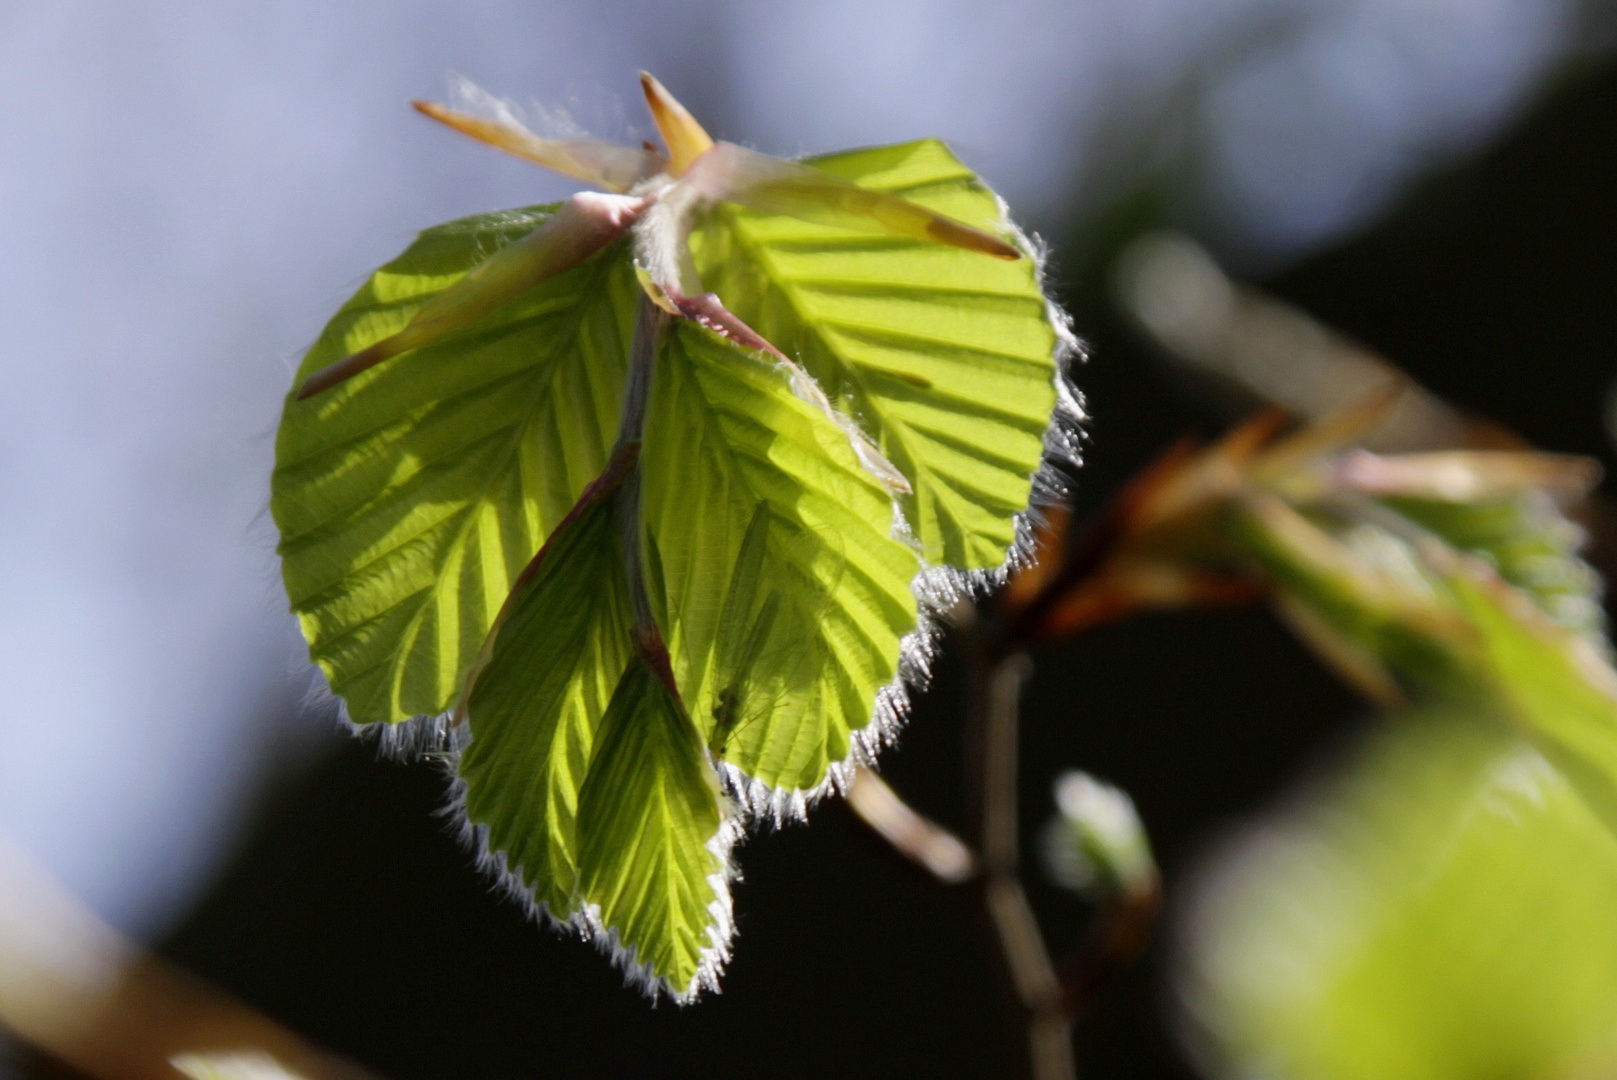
[936, 589]
[939, 588]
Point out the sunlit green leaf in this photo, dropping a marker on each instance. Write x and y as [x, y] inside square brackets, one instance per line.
[944, 356]
[584, 769]
[775, 576]
[537, 702]
[648, 824]
[783, 598]
[1444, 912]
[410, 496]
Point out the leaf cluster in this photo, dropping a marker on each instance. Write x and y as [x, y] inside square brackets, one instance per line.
[643, 562]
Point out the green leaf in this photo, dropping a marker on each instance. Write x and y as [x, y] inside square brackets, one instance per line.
[537, 700]
[783, 595]
[1443, 912]
[584, 773]
[1559, 690]
[410, 496]
[945, 357]
[1450, 628]
[1364, 583]
[651, 852]
[1532, 545]
[784, 600]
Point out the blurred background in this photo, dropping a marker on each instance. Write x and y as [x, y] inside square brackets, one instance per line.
[188, 191]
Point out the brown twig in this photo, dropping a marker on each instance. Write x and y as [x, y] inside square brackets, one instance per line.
[992, 724]
[914, 836]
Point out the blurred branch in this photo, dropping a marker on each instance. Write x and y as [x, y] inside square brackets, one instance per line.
[1201, 319]
[71, 986]
[992, 726]
[1352, 531]
[915, 837]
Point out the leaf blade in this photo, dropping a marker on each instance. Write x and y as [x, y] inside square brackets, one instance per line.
[409, 497]
[794, 545]
[534, 707]
[1452, 629]
[910, 339]
[1442, 910]
[649, 822]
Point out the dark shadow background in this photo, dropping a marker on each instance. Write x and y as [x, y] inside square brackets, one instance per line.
[352, 915]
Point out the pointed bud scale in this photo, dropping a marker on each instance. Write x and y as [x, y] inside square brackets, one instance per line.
[772, 186]
[604, 164]
[709, 311]
[684, 137]
[585, 223]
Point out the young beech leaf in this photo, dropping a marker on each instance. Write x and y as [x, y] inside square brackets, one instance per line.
[784, 594]
[651, 852]
[409, 496]
[1441, 912]
[734, 588]
[583, 768]
[1449, 627]
[783, 598]
[946, 357]
[537, 698]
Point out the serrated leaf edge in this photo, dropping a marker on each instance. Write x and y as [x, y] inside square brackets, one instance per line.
[937, 589]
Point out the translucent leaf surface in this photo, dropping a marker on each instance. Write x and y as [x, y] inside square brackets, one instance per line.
[944, 356]
[774, 573]
[410, 496]
[584, 769]
[537, 701]
[648, 824]
[1445, 912]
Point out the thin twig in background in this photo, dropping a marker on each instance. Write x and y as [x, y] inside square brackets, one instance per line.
[992, 727]
[915, 837]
